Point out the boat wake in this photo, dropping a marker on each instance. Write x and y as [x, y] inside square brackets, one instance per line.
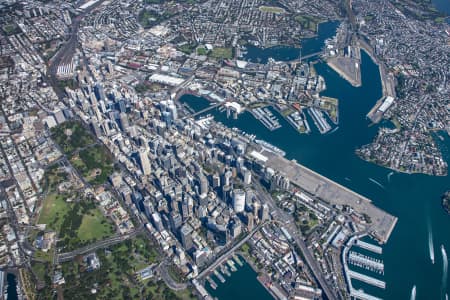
[430, 242]
[348, 179]
[389, 176]
[413, 293]
[377, 183]
[444, 268]
[333, 131]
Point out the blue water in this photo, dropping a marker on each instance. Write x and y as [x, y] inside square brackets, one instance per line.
[442, 5]
[285, 53]
[242, 284]
[12, 286]
[412, 198]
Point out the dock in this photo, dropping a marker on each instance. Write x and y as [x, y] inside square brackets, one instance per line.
[367, 279]
[369, 247]
[382, 223]
[363, 296]
[366, 262]
[237, 260]
[211, 282]
[224, 270]
[231, 265]
[298, 122]
[319, 120]
[265, 116]
[349, 275]
[218, 275]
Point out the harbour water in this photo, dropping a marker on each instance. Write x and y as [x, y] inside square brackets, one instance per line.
[284, 53]
[442, 5]
[12, 286]
[242, 284]
[414, 199]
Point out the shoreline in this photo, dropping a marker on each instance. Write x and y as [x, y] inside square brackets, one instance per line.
[354, 82]
[256, 270]
[387, 87]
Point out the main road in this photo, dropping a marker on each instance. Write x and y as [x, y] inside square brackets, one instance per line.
[224, 256]
[286, 219]
[62, 257]
[68, 49]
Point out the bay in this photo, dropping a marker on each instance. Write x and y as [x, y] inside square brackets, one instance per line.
[414, 199]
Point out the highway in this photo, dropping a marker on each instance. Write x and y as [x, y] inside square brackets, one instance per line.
[289, 224]
[62, 257]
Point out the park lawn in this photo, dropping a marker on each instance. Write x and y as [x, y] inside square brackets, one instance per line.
[53, 211]
[47, 256]
[91, 159]
[221, 53]
[272, 9]
[202, 51]
[39, 269]
[308, 22]
[79, 138]
[115, 278]
[94, 226]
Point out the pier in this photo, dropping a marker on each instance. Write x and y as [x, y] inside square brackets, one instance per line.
[211, 282]
[366, 262]
[369, 247]
[319, 120]
[265, 116]
[361, 295]
[367, 279]
[218, 275]
[237, 260]
[231, 265]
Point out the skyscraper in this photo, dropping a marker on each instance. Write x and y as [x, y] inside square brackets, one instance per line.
[144, 162]
[238, 200]
[186, 236]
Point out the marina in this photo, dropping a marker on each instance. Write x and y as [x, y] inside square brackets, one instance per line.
[219, 276]
[366, 262]
[211, 282]
[231, 265]
[237, 260]
[242, 283]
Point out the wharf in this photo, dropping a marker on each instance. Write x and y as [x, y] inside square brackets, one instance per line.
[319, 120]
[367, 262]
[382, 223]
[211, 282]
[218, 275]
[266, 118]
[348, 68]
[367, 279]
[370, 247]
[237, 260]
